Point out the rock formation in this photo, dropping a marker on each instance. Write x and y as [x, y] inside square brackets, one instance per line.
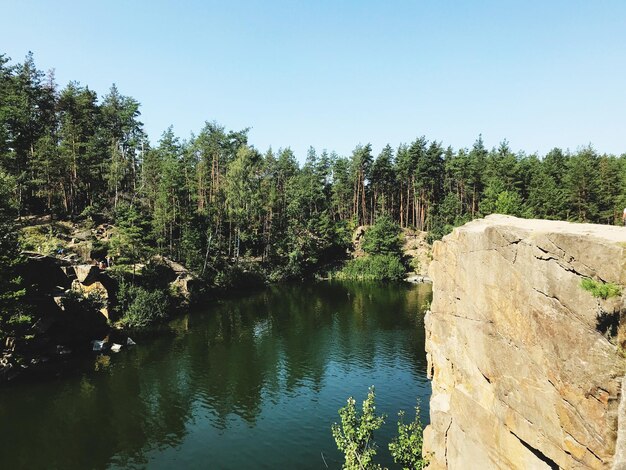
[526, 365]
[182, 282]
[416, 247]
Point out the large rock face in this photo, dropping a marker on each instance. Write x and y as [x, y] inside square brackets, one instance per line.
[526, 366]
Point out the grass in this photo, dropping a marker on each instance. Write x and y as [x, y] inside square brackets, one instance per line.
[41, 238]
[602, 290]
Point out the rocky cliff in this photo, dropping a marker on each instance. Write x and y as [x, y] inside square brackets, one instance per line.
[526, 365]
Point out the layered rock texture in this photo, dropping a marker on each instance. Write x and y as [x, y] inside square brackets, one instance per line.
[526, 365]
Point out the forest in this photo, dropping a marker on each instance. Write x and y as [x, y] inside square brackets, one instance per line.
[212, 199]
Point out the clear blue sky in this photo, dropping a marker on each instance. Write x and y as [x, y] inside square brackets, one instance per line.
[332, 73]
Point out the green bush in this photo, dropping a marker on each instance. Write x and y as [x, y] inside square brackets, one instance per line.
[141, 307]
[93, 214]
[76, 302]
[156, 275]
[355, 437]
[406, 448]
[382, 238]
[41, 238]
[603, 290]
[373, 268]
[99, 249]
[239, 276]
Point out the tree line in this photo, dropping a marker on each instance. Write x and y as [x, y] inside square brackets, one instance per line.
[68, 152]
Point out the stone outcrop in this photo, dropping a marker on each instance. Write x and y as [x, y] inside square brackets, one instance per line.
[86, 273]
[54, 278]
[417, 248]
[97, 289]
[182, 282]
[45, 272]
[358, 236]
[526, 365]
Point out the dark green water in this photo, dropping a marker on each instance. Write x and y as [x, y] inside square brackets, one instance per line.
[252, 382]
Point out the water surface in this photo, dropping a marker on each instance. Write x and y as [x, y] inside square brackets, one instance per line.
[249, 382]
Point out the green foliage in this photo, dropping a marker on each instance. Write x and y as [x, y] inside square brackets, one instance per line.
[11, 291]
[141, 307]
[355, 435]
[382, 238]
[445, 216]
[100, 249]
[406, 448]
[20, 320]
[603, 290]
[497, 200]
[213, 200]
[76, 302]
[239, 276]
[128, 244]
[40, 238]
[93, 214]
[582, 185]
[382, 263]
[415, 264]
[373, 268]
[155, 275]
[547, 197]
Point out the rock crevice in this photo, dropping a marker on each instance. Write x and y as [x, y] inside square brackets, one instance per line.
[522, 375]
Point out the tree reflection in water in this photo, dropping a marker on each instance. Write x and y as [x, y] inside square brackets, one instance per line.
[276, 362]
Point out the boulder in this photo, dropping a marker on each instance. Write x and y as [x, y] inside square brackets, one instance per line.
[174, 266]
[417, 279]
[82, 235]
[525, 373]
[104, 232]
[181, 281]
[183, 286]
[86, 273]
[95, 288]
[44, 272]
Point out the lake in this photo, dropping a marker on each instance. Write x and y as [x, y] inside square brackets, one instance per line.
[252, 381]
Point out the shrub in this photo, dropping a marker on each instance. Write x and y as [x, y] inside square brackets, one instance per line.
[239, 276]
[603, 290]
[355, 435]
[142, 307]
[415, 264]
[99, 249]
[91, 214]
[156, 275]
[373, 268]
[75, 302]
[382, 238]
[406, 448]
[41, 239]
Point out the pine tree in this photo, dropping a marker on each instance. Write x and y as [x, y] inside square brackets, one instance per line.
[383, 182]
[361, 165]
[581, 184]
[10, 288]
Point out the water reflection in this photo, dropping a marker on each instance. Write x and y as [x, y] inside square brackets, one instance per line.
[247, 382]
